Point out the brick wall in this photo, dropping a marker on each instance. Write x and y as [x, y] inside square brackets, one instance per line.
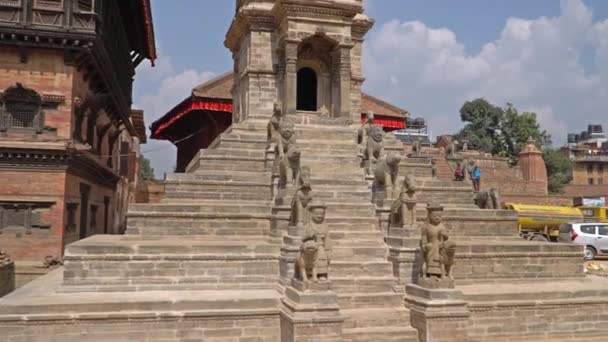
[150, 192]
[46, 73]
[47, 185]
[537, 200]
[586, 190]
[97, 195]
[496, 172]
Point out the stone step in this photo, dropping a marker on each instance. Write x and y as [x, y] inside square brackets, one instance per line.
[370, 300]
[229, 164]
[189, 196]
[233, 152]
[203, 207]
[179, 226]
[122, 263]
[516, 259]
[572, 310]
[375, 251]
[362, 284]
[375, 317]
[401, 334]
[367, 268]
[215, 176]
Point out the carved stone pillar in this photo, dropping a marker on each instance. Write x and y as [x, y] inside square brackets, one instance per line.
[290, 87]
[343, 57]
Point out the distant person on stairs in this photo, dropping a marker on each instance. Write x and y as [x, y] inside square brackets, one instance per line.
[476, 176]
[459, 173]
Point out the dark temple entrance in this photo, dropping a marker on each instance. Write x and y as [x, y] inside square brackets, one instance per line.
[307, 90]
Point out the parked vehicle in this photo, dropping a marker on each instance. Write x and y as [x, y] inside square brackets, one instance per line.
[542, 222]
[594, 236]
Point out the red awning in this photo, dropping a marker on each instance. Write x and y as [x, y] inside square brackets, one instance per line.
[187, 107]
[387, 123]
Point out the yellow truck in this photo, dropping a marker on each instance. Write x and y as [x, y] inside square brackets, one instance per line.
[541, 222]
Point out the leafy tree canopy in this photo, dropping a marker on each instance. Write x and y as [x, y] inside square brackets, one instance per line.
[146, 172]
[559, 169]
[505, 131]
[499, 131]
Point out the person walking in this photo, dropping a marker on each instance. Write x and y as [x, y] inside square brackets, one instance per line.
[476, 177]
[458, 173]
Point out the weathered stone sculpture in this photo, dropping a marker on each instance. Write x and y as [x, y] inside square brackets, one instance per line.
[363, 132]
[403, 210]
[417, 148]
[489, 199]
[374, 149]
[300, 215]
[451, 149]
[464, 146]
[386, 172]
[437, 251]
[287, 154]
[315, 251]
[273, 125]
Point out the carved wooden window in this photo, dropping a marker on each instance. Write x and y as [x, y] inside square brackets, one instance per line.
[85, 6]
[22, 109]
[49, 4]
[71, 209]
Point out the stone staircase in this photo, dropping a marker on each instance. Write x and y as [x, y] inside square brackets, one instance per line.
[360, 274]
[515, 289]
[212, 230]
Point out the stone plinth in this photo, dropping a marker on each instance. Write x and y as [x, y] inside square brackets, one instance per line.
[438, 314]
[403, 245]
[310, 312]
[7, 277]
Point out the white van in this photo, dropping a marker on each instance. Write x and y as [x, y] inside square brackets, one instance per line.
[594, 236]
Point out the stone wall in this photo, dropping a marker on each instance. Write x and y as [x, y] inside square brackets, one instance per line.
[537, 200]
[152, 329]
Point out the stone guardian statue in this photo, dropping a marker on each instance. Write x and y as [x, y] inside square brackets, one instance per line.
[403, 210]
[437, 251]
[310, 264]
[374, 149]
[386, 172]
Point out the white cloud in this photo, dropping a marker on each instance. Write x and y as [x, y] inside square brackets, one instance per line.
[535, 64]
[163, 88]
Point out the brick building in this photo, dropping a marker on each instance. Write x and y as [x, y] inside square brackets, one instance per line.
[589, 153]
[195, 122]
[69, 139]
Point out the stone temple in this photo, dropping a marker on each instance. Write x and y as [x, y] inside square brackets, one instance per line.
[215, 260]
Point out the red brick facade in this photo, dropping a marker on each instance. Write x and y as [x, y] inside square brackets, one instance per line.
[57, 188]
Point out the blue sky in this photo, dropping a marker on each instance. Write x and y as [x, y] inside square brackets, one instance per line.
[427, 56]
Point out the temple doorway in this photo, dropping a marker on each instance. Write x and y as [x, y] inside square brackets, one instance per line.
[307, 90]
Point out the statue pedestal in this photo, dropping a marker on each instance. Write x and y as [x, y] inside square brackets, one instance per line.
[289, 252]
[439, 315]
[403, 245]
[310, 312]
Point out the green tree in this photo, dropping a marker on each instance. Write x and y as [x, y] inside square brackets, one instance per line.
[559, 169]
[499, 131]
[146, 172]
